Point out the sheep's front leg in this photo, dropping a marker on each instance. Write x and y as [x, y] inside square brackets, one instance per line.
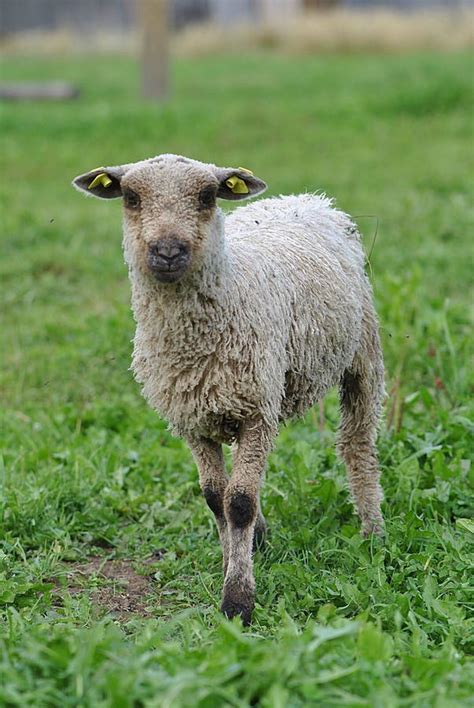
[213, 480]
[241, 509]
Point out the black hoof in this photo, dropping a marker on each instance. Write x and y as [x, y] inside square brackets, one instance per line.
[238, 600]
[236, 608]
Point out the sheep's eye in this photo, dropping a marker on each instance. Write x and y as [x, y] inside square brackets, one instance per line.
[207, 197]
[131, 199]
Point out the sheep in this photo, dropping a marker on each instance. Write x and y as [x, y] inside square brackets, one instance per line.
[243, 322]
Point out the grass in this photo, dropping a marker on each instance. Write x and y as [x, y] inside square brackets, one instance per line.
[88, 471]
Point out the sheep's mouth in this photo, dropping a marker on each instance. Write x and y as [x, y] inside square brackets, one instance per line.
[168, 257]
[169, 274]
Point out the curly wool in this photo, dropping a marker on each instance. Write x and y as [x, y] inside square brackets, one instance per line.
[265, 327]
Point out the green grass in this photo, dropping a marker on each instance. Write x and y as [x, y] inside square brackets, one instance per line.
[87, 469]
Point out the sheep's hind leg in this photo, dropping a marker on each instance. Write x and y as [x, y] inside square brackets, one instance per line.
[213, 480]
[242, 509]
[361, 394]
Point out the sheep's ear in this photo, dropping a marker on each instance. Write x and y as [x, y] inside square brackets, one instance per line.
[103, 182]
[238, 183]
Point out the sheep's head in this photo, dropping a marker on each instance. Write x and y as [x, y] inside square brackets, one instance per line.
[169, 208]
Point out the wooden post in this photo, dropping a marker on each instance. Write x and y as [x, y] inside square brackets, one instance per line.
[153, 18]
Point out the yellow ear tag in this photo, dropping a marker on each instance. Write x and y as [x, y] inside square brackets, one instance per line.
[236, 185]
[244, 169]
[102, 179]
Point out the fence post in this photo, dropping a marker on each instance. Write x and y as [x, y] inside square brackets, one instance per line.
[153, 19]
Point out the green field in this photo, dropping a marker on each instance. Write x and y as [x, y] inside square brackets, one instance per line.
[109, 560]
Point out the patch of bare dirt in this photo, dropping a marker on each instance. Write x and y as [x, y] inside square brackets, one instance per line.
[121, 590]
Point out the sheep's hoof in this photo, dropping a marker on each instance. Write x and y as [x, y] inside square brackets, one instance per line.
[238, 603]
[231, 608]
[260, 534]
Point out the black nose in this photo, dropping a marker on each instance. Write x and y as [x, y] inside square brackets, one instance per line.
[167, 253]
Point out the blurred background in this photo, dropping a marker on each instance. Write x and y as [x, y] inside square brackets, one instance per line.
[302, 24]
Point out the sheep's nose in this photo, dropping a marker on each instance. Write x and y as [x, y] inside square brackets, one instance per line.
[168, 256]
[167, 251]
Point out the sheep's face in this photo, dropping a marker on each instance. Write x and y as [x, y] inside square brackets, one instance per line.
[169, 209]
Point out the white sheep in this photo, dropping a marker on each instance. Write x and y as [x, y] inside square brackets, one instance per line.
[245, 321]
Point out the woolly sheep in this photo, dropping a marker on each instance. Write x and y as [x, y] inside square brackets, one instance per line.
[243, 322]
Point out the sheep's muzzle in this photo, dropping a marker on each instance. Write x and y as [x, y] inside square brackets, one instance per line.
[168, 259]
